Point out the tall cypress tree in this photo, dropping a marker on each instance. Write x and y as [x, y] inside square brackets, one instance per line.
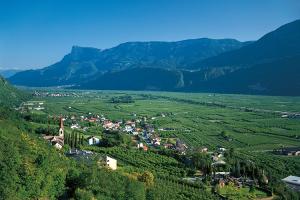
[82, 140]
[76, 140]
[72, 140]
[66, 138]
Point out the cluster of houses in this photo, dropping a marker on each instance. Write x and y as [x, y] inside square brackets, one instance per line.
[223, 180]
[54, 94]
[32, 105]
[179, 146]
[58, 142]
[144, 134]
[290, 115]
[288, 151]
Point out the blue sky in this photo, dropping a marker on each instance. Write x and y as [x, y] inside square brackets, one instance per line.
[37, 33]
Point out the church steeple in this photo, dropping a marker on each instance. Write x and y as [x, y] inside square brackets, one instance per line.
[61, 123]
[61, 127]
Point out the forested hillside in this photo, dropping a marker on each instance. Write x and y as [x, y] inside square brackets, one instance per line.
[30, 169]
[10, 95]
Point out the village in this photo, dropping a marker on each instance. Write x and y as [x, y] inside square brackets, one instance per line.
[83, 134]
[144, 137]
[143, 134]
[80, 134]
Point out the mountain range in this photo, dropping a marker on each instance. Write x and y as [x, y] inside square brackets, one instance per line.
[270, 65]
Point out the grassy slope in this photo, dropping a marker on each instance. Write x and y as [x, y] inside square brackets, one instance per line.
[9, 95]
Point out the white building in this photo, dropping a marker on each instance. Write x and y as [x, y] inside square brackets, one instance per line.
[128, 128]
[222, 149]
[58, 145]
[135, 133]
[140, 145]
[75, 126]
[111, 163]
[93, 140]
[293, 182]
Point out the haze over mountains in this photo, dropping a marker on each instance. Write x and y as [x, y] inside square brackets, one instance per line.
[270, 65]
[6, 73]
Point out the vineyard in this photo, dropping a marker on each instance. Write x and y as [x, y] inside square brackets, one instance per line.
[253, 127]
[194, 118]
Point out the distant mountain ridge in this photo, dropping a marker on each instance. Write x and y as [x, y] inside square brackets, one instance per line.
[6, 73]
[280, 43]
[270, 65]
[85, 62]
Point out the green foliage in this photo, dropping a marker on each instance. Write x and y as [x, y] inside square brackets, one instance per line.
[81, 194]
[147, 177]
[122, 99]
[171, 189]
[202, 161]
[191, 118]
[46, 131]
[10, 96]
[91, 181]
[115, 138]
[75, 139]
[30, 169]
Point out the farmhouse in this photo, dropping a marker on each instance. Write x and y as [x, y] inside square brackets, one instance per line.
[108, 125]
[291, 151]
[293, 182]
[181, 147]
[111, 163]
[128, 128]
[75, 126]
[131, 123]
[140, 145]
[203, 150]
[92, 140]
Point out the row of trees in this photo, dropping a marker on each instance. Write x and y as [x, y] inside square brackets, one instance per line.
[47, 130]
[122, 99]
[74, 139]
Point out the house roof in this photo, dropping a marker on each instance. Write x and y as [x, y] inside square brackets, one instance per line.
[92, 137]
[291, 149]
[221, 162]
[295, 180]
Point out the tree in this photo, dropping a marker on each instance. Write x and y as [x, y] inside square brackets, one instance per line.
[76, 140]
[82, 194]
[252, 188]
[82, 139]
[202, 161]
[72, 140]
[147, 177]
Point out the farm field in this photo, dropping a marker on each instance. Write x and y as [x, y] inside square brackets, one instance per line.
[197, 124]
[249, 130]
